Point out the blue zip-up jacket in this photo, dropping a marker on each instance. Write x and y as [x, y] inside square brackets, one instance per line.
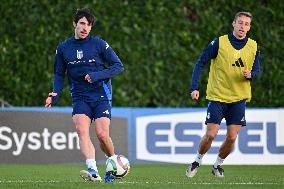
[211, 52]
[80, 57]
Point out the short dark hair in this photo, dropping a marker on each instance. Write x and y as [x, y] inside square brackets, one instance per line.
[247, 14]
[84, 12]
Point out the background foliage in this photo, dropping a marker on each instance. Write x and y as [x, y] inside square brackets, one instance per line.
[158, 42]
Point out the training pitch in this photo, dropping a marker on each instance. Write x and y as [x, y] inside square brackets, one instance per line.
[142, 176]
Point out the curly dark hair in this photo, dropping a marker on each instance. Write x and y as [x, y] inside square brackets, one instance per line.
[84, 12]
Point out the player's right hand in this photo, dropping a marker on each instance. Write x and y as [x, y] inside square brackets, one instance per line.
[195, 95]
[88, 78]
[48, 101]
[247, 74]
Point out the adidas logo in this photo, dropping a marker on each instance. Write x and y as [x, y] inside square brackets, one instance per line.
[208, 116]
[106, 112]
[243, 119]
[107, 45]
[238, 63]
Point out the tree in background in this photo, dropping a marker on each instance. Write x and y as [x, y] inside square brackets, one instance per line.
[158, 42]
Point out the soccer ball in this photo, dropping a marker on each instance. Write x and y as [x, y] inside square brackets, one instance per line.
[118, 166]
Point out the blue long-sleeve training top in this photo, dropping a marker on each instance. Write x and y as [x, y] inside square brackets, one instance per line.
[80, 57]
[211, 52]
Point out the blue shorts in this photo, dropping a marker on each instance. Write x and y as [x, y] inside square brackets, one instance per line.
[93, 110]
[234, 113]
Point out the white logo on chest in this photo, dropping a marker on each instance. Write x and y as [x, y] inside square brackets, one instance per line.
[79, 54]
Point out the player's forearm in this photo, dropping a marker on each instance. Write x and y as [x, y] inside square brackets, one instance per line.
[196, 72]
[256, 66]
[58, 84]
[208, 53]
[107, 73]
[195, 79]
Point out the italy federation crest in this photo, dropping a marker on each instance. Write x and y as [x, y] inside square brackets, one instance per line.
[79, 54]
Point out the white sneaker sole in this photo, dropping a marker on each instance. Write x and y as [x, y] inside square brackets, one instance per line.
[217, 174]
[88, 177]
[189, 173]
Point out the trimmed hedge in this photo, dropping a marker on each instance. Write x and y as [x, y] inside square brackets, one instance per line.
[158, 42]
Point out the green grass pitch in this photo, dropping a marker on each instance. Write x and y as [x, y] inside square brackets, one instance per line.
[142, 176]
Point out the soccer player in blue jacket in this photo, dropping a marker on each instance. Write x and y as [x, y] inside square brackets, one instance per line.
[235, 62]
[89, 63]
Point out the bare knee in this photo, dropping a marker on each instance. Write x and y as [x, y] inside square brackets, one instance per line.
[102, 129]
[82, 132]
[231, 139]
[103, 136]
[209, 137]
[82, 123]
[211, 132]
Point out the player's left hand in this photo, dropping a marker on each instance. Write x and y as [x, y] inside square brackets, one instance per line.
[195, 95]
[48, 101]
[88, 78]
[247, 74]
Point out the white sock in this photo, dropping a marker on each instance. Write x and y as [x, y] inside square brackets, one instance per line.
[218, 161]
[91, 163]
[199, 157]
